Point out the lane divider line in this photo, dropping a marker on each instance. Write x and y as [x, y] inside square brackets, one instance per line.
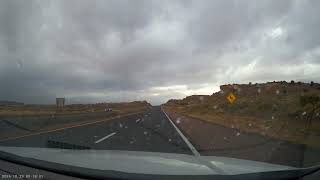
[68, 127]
[185, 139]
[106, 137]
[194, 150]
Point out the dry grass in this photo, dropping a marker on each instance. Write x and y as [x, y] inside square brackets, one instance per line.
[34, 110]
[293, 130]
[275, 111]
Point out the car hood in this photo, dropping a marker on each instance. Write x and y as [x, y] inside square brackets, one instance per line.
[144, 162]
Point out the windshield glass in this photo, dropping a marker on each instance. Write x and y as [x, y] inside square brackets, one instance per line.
[204, 79]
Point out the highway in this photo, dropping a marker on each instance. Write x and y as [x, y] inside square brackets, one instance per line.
[155, 131]
[147, 131]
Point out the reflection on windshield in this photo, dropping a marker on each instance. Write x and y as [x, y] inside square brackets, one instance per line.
[199, 79]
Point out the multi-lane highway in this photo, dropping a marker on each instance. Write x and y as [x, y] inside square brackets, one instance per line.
[147, 131]
[154, 130]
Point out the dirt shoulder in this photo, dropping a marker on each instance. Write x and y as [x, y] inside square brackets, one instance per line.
[292, 131]
[281, 110]
[217, 140]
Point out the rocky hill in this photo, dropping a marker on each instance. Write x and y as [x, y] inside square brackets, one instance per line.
[283, 110]
[267, 100]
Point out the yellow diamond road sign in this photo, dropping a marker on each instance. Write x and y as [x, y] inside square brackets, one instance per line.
[231, 98]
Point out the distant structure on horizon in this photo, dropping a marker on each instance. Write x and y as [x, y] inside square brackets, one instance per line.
[60, 102]
[10, 103]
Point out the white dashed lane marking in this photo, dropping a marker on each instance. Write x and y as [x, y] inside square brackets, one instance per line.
[104, 138]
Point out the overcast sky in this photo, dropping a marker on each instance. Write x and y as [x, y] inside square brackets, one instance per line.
[96, 51]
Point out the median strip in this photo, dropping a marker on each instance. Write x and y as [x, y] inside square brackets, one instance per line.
[67, 127]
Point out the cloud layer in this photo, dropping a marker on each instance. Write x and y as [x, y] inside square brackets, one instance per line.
[91, 51]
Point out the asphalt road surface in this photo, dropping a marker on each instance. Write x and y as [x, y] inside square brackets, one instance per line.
[148, 131]
[155, 131]
[216, 140]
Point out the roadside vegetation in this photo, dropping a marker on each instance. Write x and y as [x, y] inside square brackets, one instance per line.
[282, 110]
[31, 110]
[28, 119]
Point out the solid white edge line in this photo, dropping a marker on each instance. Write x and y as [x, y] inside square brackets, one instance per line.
[193, 149]
[104, 138]
[185, 139]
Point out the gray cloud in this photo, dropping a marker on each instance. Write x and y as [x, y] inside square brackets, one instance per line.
[123, 50]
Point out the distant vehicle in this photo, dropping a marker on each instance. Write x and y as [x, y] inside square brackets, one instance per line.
[108, 109]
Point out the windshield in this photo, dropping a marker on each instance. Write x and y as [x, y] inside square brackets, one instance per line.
[181, 79]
